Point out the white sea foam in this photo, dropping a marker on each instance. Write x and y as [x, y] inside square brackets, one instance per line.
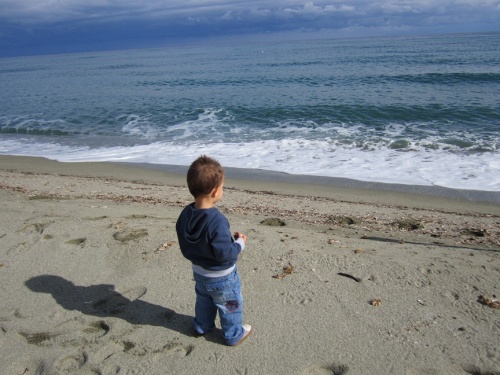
[204, 124]
[139, 126]
[479, 171]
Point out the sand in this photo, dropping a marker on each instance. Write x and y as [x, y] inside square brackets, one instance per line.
[356, 281]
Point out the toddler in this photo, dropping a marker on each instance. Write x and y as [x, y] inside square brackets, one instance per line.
[205, 239]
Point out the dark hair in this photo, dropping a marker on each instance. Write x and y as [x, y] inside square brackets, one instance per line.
[204, 175]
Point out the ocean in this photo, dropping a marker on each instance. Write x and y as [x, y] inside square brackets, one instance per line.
[408, 110]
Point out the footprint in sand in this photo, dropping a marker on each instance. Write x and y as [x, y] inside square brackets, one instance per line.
[74, 332]
[77, 241]
[130, 234]
[32, 232]
[39, 338]
[474, 370]
[297, 297]
[97, 329]
[172, 348]
[453, 370]
[33, 228]
[26, 367]
[70, 363]
[114, 303]
[176, 348]
[332, 369]
[110, 349]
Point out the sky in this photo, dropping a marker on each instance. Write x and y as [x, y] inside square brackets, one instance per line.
[33, 27]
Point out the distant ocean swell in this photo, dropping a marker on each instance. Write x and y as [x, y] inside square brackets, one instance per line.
[425, 78]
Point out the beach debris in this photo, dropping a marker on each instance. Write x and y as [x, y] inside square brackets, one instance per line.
[2, 264]
[359, 251]
[164, 246]
[376, 302]
[287, 270]
[137, 216]
[119, 225]
[357, 279]
[421, 302]
[408, 224]
[97, 218]
[45, 197]
[344, 220]
[474, 232]
[273, 222]
[332, 241]
[490, 302]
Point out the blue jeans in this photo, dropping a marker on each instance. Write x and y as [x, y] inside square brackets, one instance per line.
[222, 294]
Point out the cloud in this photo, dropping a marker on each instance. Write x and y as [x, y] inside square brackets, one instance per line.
[310, 8]
[79, 24]
[53, 11]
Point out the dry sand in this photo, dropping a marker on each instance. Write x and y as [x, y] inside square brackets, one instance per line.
[356, 282]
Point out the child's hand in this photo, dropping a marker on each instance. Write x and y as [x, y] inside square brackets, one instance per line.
[240, 235]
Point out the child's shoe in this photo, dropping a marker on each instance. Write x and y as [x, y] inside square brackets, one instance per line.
[248, 330]
[197, 334]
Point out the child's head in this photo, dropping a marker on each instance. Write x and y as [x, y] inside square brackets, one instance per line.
[204, 175]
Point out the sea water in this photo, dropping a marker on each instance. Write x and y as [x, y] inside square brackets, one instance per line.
[412, 110]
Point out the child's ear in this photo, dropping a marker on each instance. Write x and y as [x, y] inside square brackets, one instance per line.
[213, 193]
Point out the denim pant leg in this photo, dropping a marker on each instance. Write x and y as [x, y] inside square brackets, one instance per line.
[224, 295]
[205, 309]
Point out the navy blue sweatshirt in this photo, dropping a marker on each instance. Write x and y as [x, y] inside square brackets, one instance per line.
[205, 238]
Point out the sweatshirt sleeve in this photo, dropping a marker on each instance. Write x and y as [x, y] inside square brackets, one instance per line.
[224, 247]
[241, 242]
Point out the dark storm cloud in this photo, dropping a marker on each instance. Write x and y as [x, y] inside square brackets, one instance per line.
[50, 26]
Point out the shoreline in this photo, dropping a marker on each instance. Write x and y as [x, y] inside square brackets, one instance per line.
[340, 188]
[308, 201]
[345, 184]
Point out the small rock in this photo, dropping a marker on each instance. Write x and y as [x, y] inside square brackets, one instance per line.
[76, 241]
[273, 222]
[408, 224]
[344, 220]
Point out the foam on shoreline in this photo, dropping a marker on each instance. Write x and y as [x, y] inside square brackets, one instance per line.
[253, 179]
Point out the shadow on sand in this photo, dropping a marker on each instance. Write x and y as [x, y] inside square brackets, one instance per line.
[103, 301]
